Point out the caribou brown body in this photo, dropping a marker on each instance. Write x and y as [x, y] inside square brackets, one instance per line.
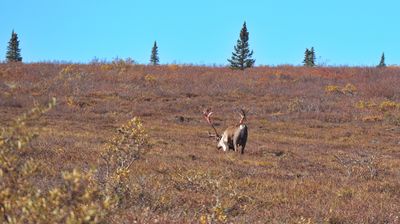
[234, 137]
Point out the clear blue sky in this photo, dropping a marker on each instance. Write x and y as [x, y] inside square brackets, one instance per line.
[343, 32]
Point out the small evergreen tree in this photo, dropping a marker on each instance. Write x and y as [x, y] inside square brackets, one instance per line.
[382, 62]
[241, 57]
[306, 57]
[309, 57]
[312, 57]
[154, 54]
[13, 52]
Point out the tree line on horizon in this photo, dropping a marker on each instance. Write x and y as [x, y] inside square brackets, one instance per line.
[241, 56]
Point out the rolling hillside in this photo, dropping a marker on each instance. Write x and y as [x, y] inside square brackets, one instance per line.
[323, 143]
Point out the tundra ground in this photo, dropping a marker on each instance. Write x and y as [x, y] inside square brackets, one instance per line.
[323, 143]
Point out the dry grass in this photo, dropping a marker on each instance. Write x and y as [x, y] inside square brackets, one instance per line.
[323, 143]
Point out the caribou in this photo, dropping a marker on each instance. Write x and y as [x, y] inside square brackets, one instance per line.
[234, 137]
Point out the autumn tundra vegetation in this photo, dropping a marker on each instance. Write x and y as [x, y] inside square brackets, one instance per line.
[119, 142]
[123, 143]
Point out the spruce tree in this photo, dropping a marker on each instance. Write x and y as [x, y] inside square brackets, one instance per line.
[312, 57]
[382, 62]
[241, 57]
[154, 54]
[306, 61]
[13, 52]
[309, 57]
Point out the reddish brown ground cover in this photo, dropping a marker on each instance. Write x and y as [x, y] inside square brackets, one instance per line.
[323, 143]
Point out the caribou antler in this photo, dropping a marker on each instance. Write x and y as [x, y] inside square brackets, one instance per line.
[242, 114]
[207, 115]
